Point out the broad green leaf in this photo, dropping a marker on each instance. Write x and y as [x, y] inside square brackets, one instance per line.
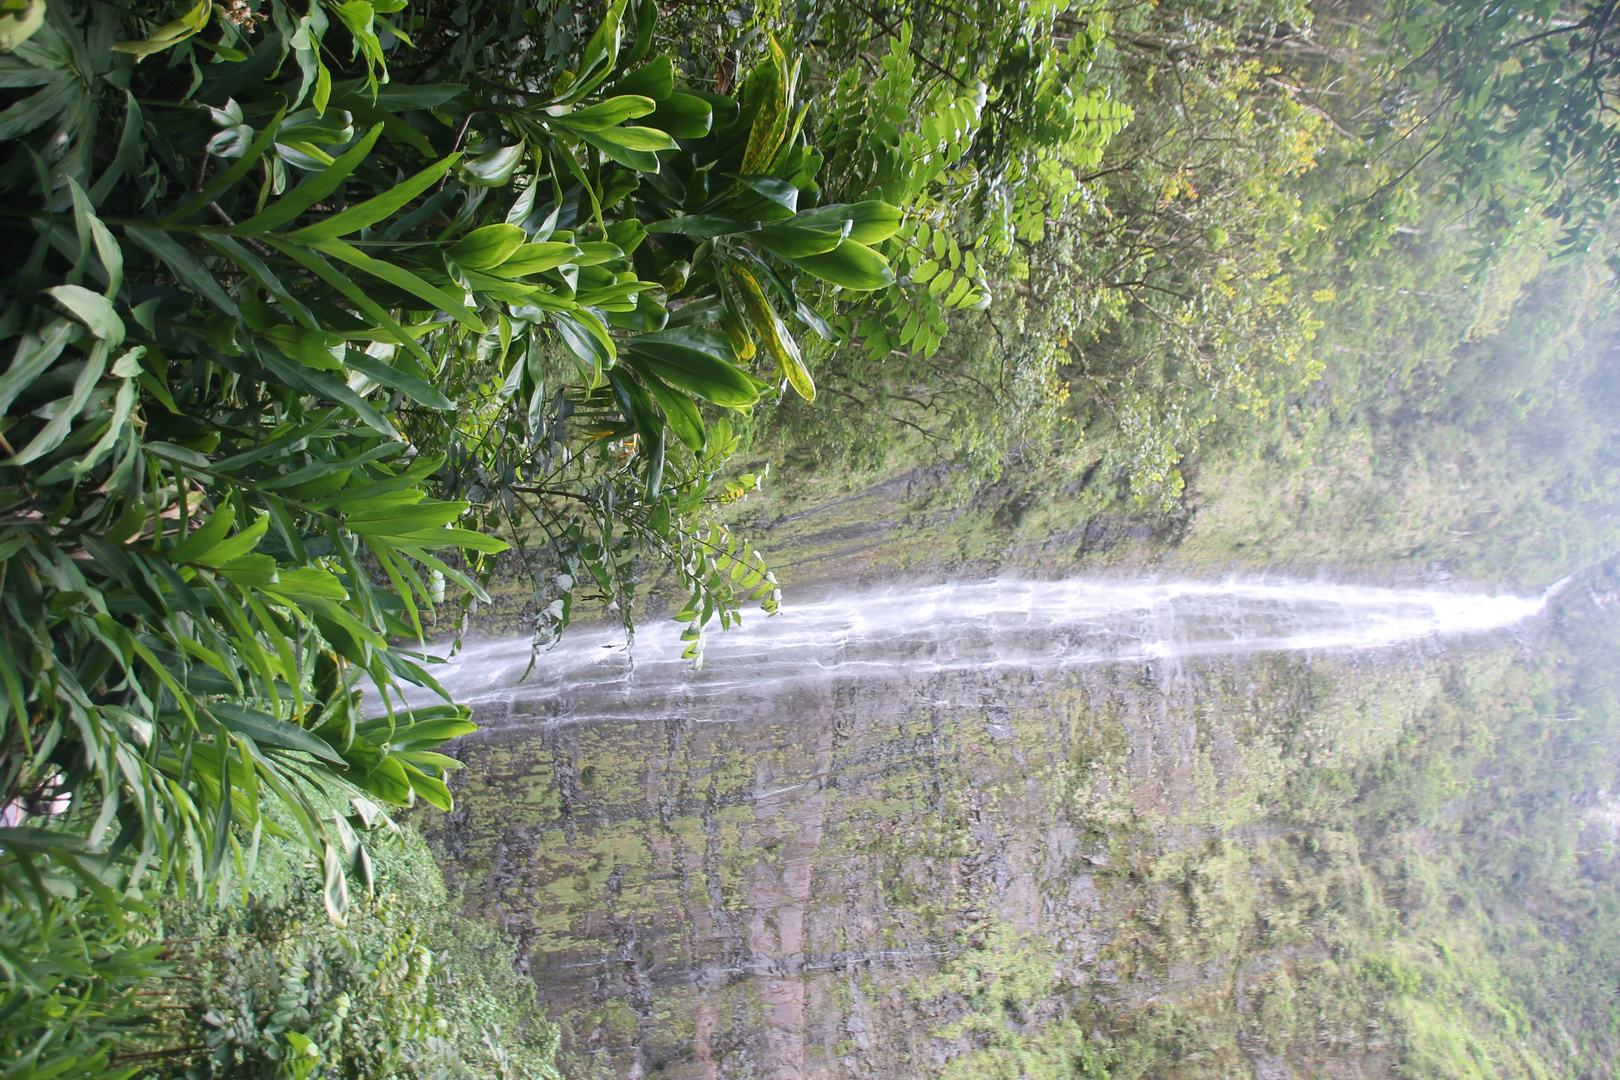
[433, 539]
[186, 266]
[334, 892]
[596, 252]
[641, 139]
[210, 534]
[35, 351]
[605, 114]
[681, 413]
[92, 309]
[694, 371]
[701, 226]
[779, 192]
[768, 329]
[65, 409]
[770, 87]
[633, 147]
[427, 759]
[40, 108]
[869, 222]
[432, 789]
[423, 734]
[387, 324]
[234, 548]
[387, 781]
[488, 247]
[586, 338]
[245, 164]
[654, 79]
[397, 96]
[685, 116]
[494, 169]
[601, 52]
[854, 266]
[792, 242]
[267, 730]
[533, 258]
[309, 126]
[315, 348]
[302, 583]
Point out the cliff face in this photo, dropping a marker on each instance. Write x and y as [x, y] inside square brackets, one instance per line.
[985, 872]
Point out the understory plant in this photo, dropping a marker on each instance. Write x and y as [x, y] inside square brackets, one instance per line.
[312, 312]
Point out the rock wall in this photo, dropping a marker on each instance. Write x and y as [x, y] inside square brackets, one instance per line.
[973, 874]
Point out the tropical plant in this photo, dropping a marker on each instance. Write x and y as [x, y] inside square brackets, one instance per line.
[301, 316]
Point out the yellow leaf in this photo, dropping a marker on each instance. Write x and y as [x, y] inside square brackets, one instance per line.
[768, 328]
[173, 33]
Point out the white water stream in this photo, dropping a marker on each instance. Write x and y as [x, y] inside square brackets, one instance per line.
[907, 631]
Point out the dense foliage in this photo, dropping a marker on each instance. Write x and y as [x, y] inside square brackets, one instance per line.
[321, 316]
[301, 316]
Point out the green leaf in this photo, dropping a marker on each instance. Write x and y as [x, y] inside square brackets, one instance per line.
[870, 222]
[423, 734]
[186, 266]
[701, 226]
[374, 209]
[206, 537]
[586, 338]
[386, 323]
[334, 890]
[432, 789]
[854, 266]
[533, 258]
[494, 169]
[236, 547]
[309, 126]
[685, 116]
[601, 51]
[267, 730]
[389, 375]
[34, 353]
[680, 412]
[40, 108]
[633, 147]
[694, 370]
[388, 781]
[404, 279]
[605, 114]
[234, 174]
[596, 252]
[315, 348]
[768, 328]
[304, 583]
[792, 242]
[488, 247]
[782, 194]
[92, 309]
[312, 190]
[654, 79]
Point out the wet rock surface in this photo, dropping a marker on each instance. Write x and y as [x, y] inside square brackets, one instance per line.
[918, 860]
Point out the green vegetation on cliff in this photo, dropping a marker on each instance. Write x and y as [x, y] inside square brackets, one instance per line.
[316, 309]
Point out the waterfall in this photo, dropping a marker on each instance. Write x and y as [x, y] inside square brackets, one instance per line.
[913, 630]
[856, 796]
